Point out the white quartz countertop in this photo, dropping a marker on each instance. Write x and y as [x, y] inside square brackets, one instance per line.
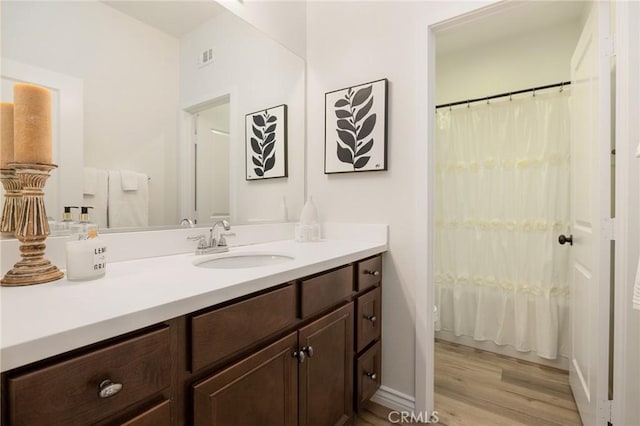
[43, 320]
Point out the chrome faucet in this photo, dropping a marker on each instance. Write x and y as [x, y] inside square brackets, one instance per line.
[216, 242]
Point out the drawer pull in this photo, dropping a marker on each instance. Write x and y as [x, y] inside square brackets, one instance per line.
[371, 318]
[308, 350]
[108, 388]
[374, 273]
[371, 375]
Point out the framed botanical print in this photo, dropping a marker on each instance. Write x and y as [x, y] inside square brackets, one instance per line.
[266, 143]
[355, 138]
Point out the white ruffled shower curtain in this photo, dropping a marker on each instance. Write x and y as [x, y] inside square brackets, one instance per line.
[502, 179]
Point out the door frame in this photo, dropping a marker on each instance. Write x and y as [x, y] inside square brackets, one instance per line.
[627, 207]
[186, 151]
[627, 178]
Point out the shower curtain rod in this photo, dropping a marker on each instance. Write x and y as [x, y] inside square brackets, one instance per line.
[502, 95]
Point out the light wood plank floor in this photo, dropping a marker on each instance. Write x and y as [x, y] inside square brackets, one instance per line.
[477, 388]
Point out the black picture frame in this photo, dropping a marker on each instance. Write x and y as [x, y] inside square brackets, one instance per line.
[355, 128]
[266, 154]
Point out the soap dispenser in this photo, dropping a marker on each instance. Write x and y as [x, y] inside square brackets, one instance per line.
[85, 220]
[308, 229]
[67, 219]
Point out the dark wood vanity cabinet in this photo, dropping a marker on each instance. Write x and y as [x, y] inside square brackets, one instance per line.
[94, 386]
[303, 353]
[304, 378]
[368, 321]
[260, 389]
[326, 375]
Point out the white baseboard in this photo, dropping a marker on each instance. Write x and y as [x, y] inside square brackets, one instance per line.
[394, 400]
[562, 362]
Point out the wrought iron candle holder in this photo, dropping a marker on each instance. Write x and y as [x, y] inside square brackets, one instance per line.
[12, 200]
[32, 229]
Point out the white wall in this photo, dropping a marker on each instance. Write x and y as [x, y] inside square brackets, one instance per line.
[509, 64]
[130, 74]
[354, 42]
[257, 73]
[284, 21]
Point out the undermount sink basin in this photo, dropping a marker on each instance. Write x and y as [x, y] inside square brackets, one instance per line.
[243, 260]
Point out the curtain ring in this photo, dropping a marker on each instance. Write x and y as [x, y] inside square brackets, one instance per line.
[468, 104]
[561, 87]
[510, 97]
[534, 93]
[487, 100]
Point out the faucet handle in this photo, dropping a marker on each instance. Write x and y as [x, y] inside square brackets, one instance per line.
[222, 241]
[202, 240]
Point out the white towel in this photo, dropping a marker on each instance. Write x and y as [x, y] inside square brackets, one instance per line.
[90, 181]
[98, 200]
[129, 180]
[128, 209]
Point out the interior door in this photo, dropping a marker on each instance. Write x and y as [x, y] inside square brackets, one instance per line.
[591, 222]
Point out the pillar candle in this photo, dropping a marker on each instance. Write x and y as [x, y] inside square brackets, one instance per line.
[31, 124]
[6, 134]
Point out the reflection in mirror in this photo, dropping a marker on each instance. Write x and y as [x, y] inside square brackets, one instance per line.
[211, 153]
[145, 89]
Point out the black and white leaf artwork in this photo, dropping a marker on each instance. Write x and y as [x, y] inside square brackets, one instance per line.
[263, 142]
[355, 123]
[355, 128]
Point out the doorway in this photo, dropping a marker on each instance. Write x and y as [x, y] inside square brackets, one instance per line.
[211, 163]
[497, 287]
[207, 167]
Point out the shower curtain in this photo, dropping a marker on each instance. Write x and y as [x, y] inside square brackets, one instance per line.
[502, 185]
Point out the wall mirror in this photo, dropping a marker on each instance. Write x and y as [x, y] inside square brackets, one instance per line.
[160, 89]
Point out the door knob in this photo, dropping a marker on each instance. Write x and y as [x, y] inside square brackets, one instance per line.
[563, 239]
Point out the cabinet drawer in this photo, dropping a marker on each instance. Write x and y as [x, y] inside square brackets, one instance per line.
[368, 320]
[326, 290]
[66, 393]
[158, 415]
[218, 334]
[369, 273]
[368, 374]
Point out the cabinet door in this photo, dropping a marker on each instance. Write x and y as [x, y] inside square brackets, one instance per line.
[258, 390]
[326, 375]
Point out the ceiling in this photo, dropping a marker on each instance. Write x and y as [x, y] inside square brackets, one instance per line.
[519, 19]
[176, 18]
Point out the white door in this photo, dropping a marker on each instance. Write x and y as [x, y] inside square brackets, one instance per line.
[591, 223]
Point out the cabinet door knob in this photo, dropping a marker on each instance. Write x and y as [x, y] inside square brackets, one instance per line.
[371, 375]
[299, 355]
[371, 318]
[308, 350]
[108, 388]
[374, 273]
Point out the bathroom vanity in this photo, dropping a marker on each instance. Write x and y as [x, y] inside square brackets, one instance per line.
[298, 344]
